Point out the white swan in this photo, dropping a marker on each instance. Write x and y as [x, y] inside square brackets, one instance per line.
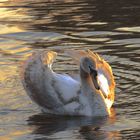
[60, 94]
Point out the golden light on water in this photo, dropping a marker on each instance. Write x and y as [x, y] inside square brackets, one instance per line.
[15, 134]
[129, 29]
[3, 0]
[9, 29]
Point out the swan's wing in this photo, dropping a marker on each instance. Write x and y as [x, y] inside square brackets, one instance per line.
[37, 77]
[76, 54]
[67, 88]
[105, 79]
[55, 92]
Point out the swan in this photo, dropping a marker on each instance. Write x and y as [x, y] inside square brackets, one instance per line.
[61, 94]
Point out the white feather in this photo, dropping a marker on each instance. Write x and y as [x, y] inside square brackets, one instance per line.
[67, 86]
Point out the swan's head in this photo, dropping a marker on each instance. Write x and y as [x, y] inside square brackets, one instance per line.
[88, 67]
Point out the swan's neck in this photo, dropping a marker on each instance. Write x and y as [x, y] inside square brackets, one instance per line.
[95, 99]
[86, 81]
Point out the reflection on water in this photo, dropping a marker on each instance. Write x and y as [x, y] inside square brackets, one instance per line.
[107, 27]
[62, 127]
[54, 127]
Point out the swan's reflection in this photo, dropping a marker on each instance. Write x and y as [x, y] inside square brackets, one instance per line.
[58, 127]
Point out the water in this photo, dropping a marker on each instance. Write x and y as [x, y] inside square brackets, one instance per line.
[111, 28]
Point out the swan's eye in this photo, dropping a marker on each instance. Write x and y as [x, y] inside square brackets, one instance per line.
[93, 71]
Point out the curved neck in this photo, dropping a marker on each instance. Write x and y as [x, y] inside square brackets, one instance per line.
[94, 97]
[86, 81]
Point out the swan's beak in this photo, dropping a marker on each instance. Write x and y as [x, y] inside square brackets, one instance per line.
[93, 74]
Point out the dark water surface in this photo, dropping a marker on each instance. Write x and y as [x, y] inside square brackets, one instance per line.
[109, 27]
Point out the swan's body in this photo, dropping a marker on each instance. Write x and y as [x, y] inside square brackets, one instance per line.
[60, 94]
